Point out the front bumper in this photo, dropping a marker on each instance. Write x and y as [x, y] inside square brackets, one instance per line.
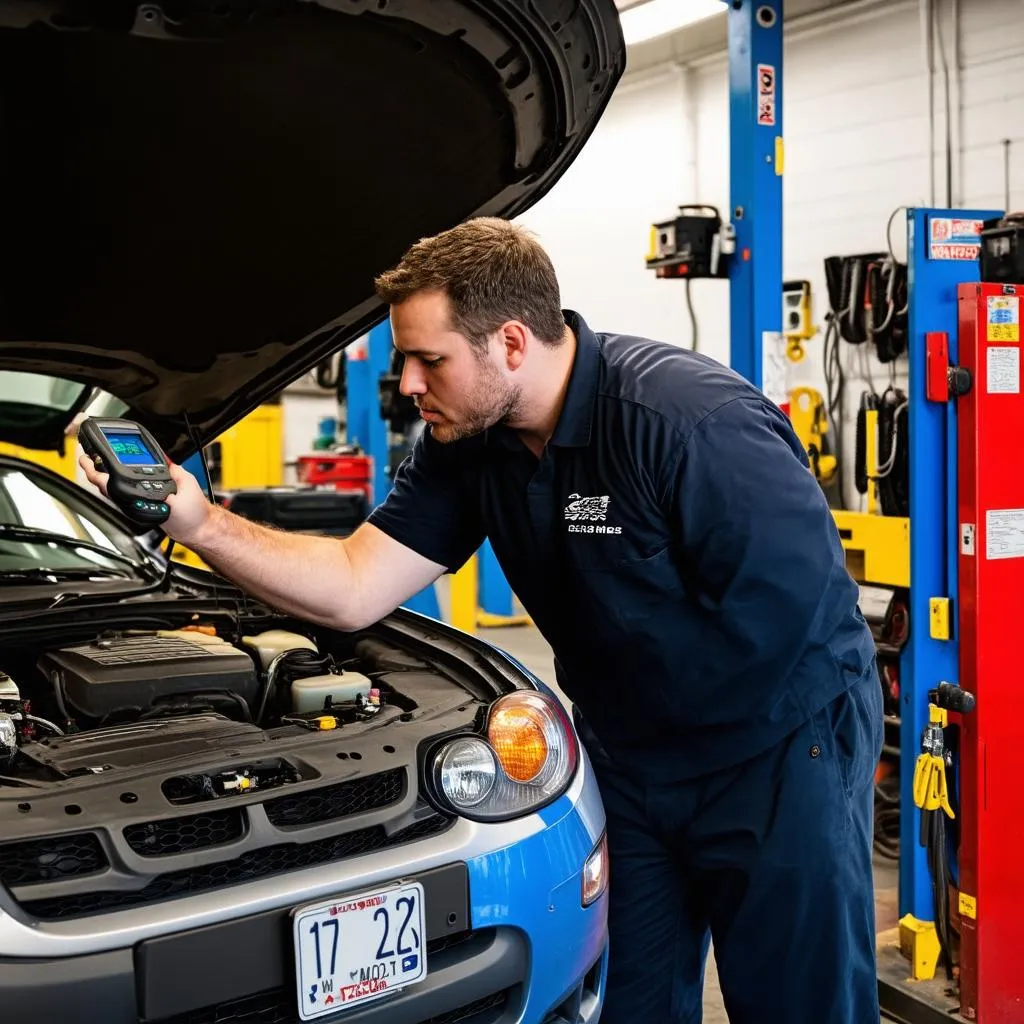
[510, 943]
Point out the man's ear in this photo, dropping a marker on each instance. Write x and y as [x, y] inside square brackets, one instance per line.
[514, 337]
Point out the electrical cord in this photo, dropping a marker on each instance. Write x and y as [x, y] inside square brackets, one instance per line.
[36, 720]
[940, 835]
[888, 238]
[884, 469]
[892, 471]
[937, 22]
[165, 583]
[327, 374]
[865, 370]
[194, 438]
[933, 826]
[868, 302]
[835, 386]
[693, 316]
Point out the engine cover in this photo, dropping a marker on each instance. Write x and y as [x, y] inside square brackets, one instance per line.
[141, 744]
[135, 672]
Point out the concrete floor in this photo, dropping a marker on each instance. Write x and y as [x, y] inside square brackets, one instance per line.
[527, 645]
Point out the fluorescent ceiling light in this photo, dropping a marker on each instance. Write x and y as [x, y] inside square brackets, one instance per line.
[657, 17]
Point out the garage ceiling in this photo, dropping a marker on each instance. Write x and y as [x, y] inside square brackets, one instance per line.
[710, 36]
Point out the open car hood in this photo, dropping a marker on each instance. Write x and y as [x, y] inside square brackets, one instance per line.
[198, 194]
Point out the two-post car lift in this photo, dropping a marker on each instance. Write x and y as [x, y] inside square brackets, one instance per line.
[961, 900]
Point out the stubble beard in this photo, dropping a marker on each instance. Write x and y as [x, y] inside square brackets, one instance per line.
[494, 400]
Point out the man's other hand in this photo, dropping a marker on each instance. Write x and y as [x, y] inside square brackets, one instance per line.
[190, 509]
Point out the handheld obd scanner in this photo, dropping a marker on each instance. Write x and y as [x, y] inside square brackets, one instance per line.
[137, 466]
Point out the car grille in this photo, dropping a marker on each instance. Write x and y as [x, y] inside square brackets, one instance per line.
[179, 835]
[66, 858]
[332, 802]
[251, 865]
[47, 860]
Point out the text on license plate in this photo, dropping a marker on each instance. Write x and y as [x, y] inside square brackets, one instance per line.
[357, 948]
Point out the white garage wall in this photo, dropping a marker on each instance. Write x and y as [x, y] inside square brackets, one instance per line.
[595, 222]
[302, 410]
[855, 108]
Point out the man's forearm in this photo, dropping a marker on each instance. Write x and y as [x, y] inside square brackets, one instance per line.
[306, 576]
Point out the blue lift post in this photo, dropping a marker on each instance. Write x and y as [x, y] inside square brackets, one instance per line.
[934, 532]
[494, 595]
[755, 181]
[366, 360]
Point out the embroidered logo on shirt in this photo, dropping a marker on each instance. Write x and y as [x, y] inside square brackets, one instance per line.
[581, 511]
[589, 509]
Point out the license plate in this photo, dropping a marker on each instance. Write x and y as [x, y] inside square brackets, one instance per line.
[351, 950]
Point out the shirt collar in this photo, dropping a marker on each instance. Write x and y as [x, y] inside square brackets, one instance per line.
[576, 418]
[574, 422]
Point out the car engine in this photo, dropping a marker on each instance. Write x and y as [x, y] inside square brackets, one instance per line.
[127, 675]
[147, 757]
[134, 697]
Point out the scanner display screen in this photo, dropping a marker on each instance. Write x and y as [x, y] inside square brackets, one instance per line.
[130, 449]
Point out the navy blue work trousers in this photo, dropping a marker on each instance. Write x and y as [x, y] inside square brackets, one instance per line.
[770, 860]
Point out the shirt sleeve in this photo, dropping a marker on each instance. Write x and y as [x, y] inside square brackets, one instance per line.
[432, 507]
[757, 543]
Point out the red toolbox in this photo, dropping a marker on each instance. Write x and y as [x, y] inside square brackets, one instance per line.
[345, 471]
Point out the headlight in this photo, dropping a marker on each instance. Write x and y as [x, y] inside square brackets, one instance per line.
[468, 772]
[526, 759]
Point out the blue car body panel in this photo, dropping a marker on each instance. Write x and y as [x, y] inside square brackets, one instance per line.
[536, 886]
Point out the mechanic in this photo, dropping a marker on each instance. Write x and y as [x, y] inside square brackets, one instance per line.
[654, 513]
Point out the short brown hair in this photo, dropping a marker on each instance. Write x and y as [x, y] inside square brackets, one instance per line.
[491, 271]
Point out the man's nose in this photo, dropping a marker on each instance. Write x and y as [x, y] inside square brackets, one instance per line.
[412, 382]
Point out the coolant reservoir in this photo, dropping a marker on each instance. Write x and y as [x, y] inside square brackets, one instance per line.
[270, 643]
[310, 693]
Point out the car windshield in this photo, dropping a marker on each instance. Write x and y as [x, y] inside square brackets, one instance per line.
[44, 525]
[45, 405]
[39, 390]
[55, 394]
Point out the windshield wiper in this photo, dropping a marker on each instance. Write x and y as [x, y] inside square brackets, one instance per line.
[34, 535]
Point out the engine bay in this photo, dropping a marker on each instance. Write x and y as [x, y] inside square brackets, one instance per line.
[131, 698]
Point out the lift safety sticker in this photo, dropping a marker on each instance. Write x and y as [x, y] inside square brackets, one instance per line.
[1003, 318]
[766, 95]
[1004, 533]
[954, 238]
[1003, 376]
[968, 906]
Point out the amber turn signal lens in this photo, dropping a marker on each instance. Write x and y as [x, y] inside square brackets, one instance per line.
[517, 734]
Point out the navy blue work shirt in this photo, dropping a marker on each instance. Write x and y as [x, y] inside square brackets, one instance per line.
[670, 544]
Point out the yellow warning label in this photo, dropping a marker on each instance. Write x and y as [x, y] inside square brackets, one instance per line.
[968, 906]
[1003, 320]
[939, 617]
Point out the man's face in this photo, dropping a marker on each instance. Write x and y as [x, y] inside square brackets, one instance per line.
[459, 389]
